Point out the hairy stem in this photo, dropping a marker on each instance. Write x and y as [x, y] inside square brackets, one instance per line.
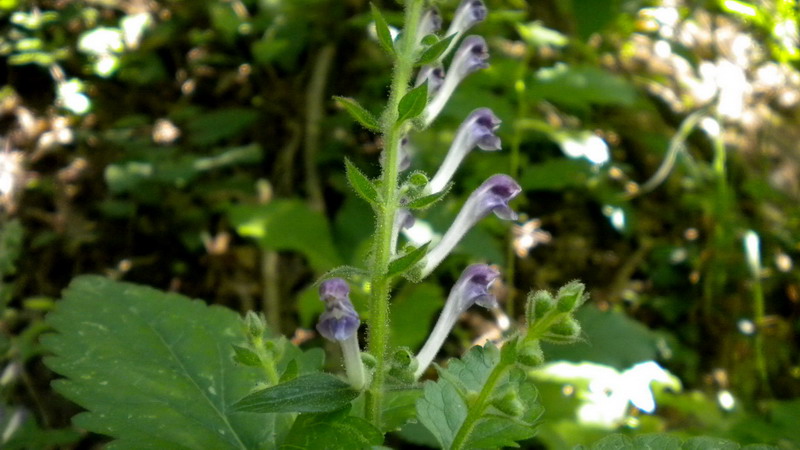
[382, 252]
[480, 405]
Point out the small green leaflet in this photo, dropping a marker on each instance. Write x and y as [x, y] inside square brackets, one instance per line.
[428, 200]
[361, 184]
[434, 51]
[382, 30]
[358, 113]
[246, 356]
[413, 103]
[405, 262]
[335, 430]
[315, 392]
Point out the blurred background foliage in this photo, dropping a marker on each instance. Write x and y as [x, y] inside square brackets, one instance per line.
[194, 146]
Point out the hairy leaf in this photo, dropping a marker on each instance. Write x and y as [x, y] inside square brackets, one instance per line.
[335, 430]
[405, 262]
[434, 51]
[361, 184]
[413, 103]
[428, 200]
[382, 30]
[154, 370]
[358, 113]
[315, 392]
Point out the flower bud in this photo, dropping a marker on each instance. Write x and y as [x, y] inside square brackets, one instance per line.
[470, 57]
[340, 320]
[491, 197]
[565, 331]
[507, 400]
[255, 323]
[530, 354]
[476, 130]
[571, 296]
[539, 304]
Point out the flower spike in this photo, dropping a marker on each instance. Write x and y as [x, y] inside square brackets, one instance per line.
[470, 57]
[491, 197]
[470, 289]
[477, 129]
[339, 323]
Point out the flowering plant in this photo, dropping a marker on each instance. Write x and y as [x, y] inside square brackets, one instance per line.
[158, 370]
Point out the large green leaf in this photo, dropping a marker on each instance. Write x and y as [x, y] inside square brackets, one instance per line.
[315, 392]
[335, 430]
[581, 86]
[154, 370]
[288, 225]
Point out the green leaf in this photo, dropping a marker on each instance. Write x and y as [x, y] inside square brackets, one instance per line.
[413, 103]
[335, 430]
[434, 51]
[361, 184]
[428, 200]
[288, 224]
[382, 30]
[707, 442]
[407, 261]
[399, 408]
[246, 356]
[581, 87]
[315, 392]
[358, 113]
[446, 403]
[154, 370]
[215, 126]
[413, 309]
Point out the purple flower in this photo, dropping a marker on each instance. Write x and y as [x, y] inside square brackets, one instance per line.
[430, 23]
[434, 75]
[491, 197]
[340, 320]
[471, 288]
[403, 219]
[470, 57]
[468, 13]
[477, 129]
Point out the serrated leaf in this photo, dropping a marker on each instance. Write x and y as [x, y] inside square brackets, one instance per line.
[407, 261]
[359, 113]
[399, 408]
[434, 51]
[428, 200]
[315, 392]
[363, 186]
[246, 356]
[382, 30]
[335, 430]
[154, 370]
[413, 103]
[443, 407]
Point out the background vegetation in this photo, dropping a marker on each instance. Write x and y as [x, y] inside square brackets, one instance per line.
[195, 147]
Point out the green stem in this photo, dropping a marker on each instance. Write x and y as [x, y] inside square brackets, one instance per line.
[382, 252]
[266, 361]
[477, 410]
